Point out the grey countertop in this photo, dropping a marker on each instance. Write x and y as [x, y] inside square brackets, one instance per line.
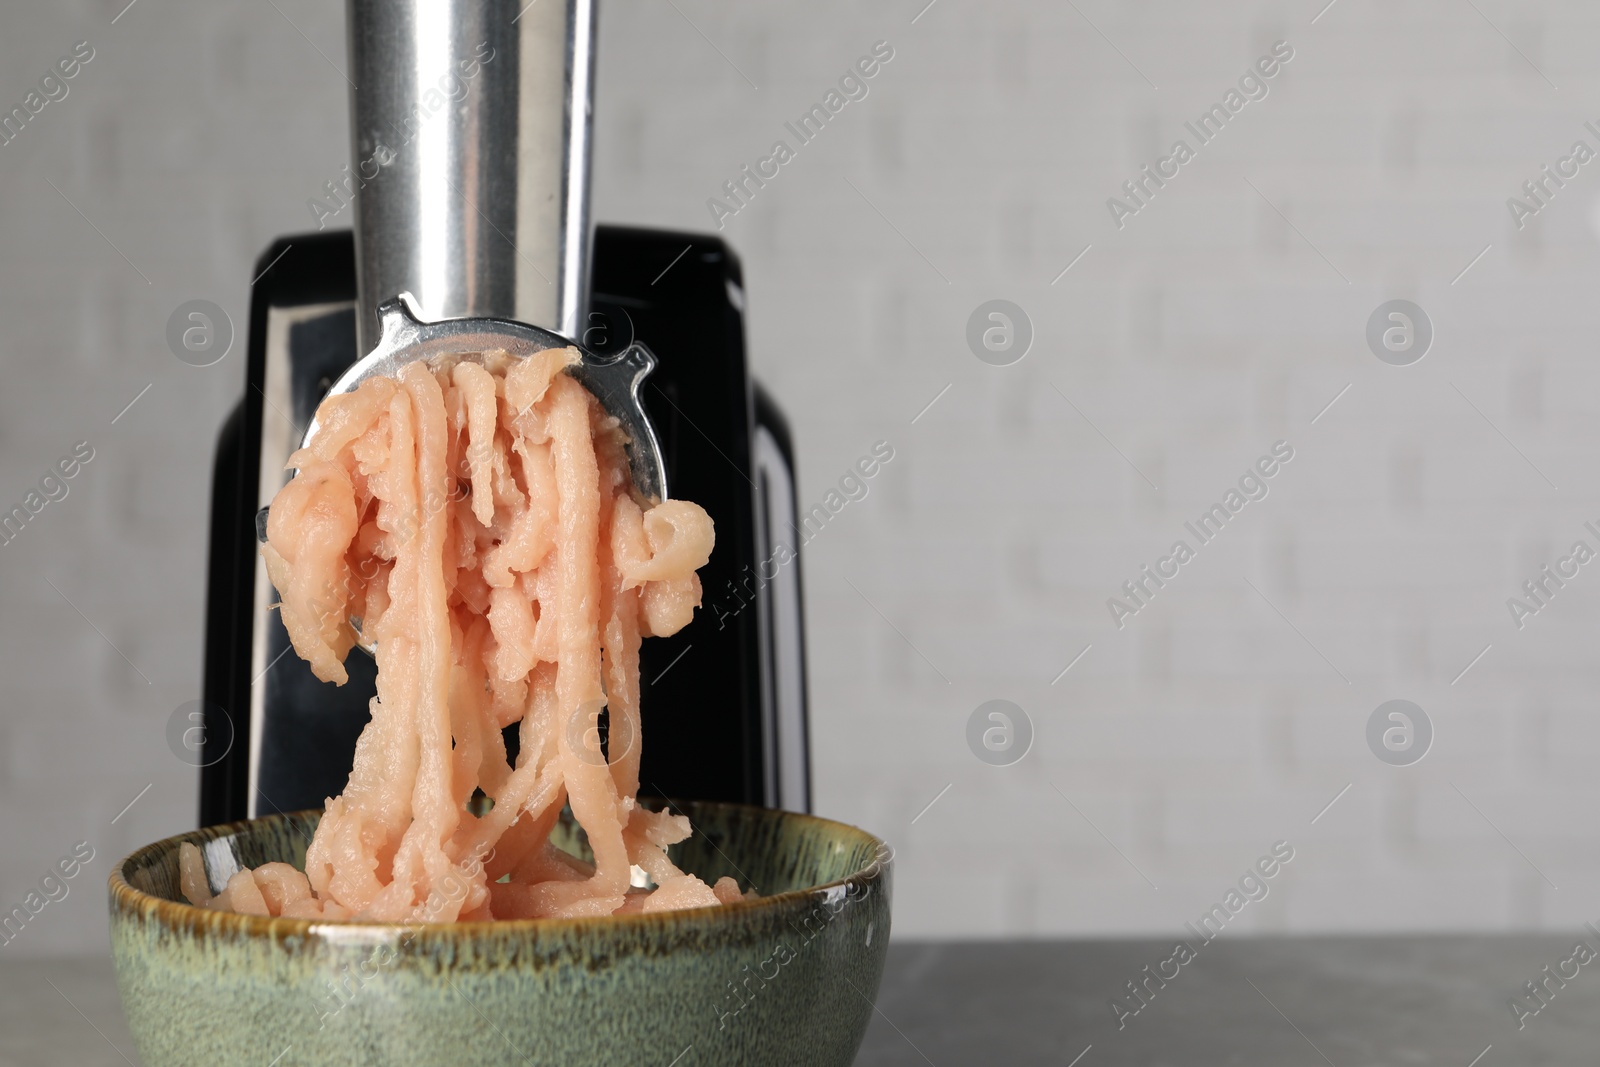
[1349, 1002]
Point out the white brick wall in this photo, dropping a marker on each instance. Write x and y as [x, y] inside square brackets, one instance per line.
[1193, 338]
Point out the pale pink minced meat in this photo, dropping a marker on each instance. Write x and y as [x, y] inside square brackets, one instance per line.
[476, 515]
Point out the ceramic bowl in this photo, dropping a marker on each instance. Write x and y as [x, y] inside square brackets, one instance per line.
[787, 979]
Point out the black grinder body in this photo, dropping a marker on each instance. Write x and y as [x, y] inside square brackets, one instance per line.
[723, 701]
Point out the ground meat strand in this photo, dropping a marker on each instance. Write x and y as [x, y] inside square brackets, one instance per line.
[476, 515]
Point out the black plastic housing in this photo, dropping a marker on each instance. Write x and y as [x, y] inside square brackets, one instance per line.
[706, 736]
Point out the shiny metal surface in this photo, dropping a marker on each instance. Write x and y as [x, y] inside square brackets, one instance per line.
[470, 133]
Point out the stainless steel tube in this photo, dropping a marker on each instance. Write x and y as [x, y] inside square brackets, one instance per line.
[470, 128]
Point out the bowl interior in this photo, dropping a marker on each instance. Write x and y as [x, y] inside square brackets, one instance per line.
[774, 851]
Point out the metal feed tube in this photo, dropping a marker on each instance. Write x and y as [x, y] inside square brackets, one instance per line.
[471, 128]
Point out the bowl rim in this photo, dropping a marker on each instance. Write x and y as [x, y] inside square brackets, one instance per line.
[127, 900]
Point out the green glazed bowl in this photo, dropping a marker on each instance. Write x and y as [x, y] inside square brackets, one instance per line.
[787, 979]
